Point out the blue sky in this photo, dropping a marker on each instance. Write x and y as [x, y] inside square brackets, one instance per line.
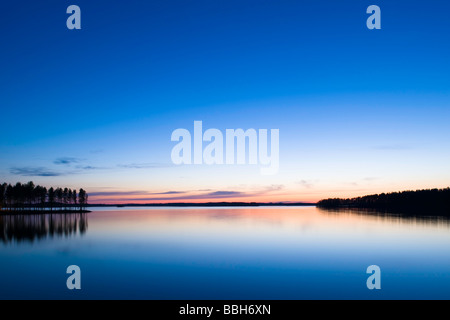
[359, 111]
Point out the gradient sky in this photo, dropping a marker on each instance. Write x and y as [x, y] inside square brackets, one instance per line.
[359, 111]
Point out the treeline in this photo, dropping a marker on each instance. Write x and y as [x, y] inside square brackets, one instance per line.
[27, 197]
[429, 199]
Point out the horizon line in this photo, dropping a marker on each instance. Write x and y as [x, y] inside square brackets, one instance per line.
[199, 204]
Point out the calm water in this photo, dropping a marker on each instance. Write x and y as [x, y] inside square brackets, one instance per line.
[224, 253]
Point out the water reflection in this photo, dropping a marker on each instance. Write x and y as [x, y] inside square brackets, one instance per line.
[390, 216]
[225, 254]
[28, 228]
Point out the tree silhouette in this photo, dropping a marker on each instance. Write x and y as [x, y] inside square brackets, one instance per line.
[59, 197]
[429, 200]
[69, 198]
[51, 198]
[65, 196]
[82, 199]
[9, 194]
[31, 197]
[3, 195]
[74, 198]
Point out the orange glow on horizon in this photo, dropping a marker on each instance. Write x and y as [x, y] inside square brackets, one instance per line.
[284, 196]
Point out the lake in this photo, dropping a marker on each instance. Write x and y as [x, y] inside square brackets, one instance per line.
[224, 253]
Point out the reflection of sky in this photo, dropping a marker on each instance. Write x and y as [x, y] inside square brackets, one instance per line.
[359, 111]
[239, 253]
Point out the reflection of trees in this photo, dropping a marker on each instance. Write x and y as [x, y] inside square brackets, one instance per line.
[391, 215]
[40, 226]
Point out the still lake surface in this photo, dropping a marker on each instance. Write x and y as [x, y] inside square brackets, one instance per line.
[224, 253]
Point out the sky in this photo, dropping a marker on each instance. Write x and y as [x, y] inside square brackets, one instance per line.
[359, 111]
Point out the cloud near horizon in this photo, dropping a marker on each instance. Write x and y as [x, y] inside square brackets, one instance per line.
[183, 195]
[308, 184]
[204, 196]
[180, 195]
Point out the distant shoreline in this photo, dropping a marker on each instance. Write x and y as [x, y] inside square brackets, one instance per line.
[207, 204]
[426, 201]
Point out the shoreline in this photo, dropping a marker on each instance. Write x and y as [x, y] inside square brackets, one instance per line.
[208, 204]
[40, 212]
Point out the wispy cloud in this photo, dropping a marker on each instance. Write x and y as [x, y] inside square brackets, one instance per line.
[66, 169]
[224, 194]
[66, 161]
[75, 163]
[90, 168]
[117, 193]
[169, 192]
[306, 183]
[274, 187]
[138, 195]
[131, 193]
[165, 196]
[204, 196]
[144, 165]
[34, 172]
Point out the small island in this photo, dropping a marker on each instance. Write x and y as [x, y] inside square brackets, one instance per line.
[425, 202]
[34, 199]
